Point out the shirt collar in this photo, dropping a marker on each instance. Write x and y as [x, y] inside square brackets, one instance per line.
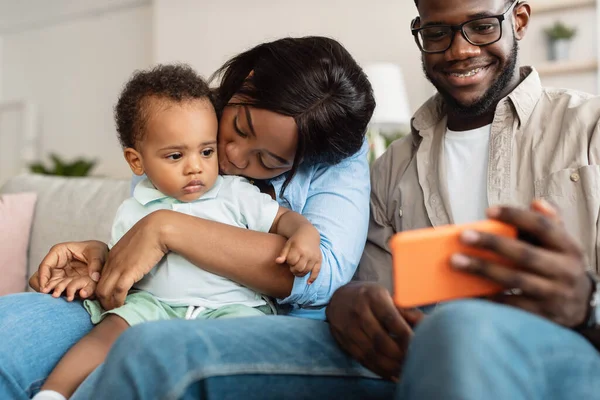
[145, 192]
[524, 99]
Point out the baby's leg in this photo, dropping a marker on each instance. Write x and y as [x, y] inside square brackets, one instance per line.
[84, 357]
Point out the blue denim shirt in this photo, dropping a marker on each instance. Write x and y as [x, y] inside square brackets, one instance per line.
[335, 199]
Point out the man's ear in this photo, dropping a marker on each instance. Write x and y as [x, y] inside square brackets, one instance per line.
[522, 17]
[134, 159]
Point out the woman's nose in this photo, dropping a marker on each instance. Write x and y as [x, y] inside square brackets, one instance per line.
[236, 155]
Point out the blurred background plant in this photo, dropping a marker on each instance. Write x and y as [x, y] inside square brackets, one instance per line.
[78, 167]
[559, 38]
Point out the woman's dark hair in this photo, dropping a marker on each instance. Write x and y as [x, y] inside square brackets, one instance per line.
[312, 79]
[175, 82]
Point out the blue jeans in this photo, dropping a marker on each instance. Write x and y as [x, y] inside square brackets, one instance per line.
[464, 350]
[262, 357]
[36, 330]
[480, 350]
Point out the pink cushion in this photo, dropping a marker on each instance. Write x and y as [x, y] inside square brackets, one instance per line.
[16, 214]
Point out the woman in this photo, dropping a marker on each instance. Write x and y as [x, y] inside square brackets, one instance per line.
[293, 114]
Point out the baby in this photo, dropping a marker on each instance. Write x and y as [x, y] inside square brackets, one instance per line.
[168, 128]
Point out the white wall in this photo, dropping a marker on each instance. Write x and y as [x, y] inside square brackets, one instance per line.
[73, 71]
[584, 46]
[206, 33]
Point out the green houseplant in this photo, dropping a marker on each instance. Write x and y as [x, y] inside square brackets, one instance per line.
[559, 40]
[78, 167]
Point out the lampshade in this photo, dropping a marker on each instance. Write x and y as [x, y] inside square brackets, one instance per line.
[392, 112]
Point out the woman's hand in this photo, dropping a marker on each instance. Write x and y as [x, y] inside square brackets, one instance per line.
[138, 251]
[71, 266]
[549, 277]
[366, 323]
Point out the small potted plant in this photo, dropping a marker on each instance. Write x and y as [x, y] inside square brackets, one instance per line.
[79, 167]
[559, 41]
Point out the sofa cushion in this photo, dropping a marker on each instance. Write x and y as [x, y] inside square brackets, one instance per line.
[16, 214]
[68, 209]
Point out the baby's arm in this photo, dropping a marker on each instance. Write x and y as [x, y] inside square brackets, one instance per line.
[302, 252]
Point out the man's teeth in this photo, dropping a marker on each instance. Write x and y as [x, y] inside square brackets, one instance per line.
[467, 74]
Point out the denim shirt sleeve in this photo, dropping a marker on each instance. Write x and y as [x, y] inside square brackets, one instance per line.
[338, 206]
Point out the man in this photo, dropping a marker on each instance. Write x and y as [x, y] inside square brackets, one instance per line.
[491, 137]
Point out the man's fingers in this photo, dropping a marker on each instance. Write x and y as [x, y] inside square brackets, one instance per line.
[392, 321]
[544, 228]
[510, 278]
[522, 302]
[543, 207]
[377, 325]
[526, 256]
[413, 316]
[360, 346]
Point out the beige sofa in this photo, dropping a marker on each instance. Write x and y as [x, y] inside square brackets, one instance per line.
[68, 209]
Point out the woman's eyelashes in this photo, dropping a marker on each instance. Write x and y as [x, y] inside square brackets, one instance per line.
[237, 128]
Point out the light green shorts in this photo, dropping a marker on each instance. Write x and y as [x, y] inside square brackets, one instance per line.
[141, 307]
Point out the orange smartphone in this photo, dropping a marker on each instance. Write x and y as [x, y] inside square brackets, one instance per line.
[421, 264]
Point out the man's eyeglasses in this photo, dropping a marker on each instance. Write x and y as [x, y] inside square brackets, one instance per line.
[478, 31]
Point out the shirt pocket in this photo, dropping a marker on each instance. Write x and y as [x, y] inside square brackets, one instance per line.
[576, 194]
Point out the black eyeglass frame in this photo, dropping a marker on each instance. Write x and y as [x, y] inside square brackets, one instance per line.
[460, 28]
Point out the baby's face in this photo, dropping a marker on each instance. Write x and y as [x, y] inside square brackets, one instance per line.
[179, 148]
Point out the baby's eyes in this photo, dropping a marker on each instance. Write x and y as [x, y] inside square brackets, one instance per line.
[207, 152]
[174, 156]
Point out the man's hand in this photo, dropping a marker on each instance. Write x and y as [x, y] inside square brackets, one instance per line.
[138, 251]
[72, 266]
[549, 277]
[366, 323]
[302, 252]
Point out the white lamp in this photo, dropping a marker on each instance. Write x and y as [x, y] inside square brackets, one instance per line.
[392, 113]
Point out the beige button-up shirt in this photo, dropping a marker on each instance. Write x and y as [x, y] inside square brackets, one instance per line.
[544, 144]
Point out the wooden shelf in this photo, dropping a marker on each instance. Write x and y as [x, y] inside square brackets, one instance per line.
[544, 6]
[567, 67]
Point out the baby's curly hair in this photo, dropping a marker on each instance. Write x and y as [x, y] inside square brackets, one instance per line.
[175, 82]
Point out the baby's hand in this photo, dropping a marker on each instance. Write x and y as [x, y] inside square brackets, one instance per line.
[302, 252]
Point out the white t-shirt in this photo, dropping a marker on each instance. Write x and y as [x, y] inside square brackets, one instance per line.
[176, 281]
[466, 156]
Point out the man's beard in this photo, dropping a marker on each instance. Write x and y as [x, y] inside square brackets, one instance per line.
[490, 97]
